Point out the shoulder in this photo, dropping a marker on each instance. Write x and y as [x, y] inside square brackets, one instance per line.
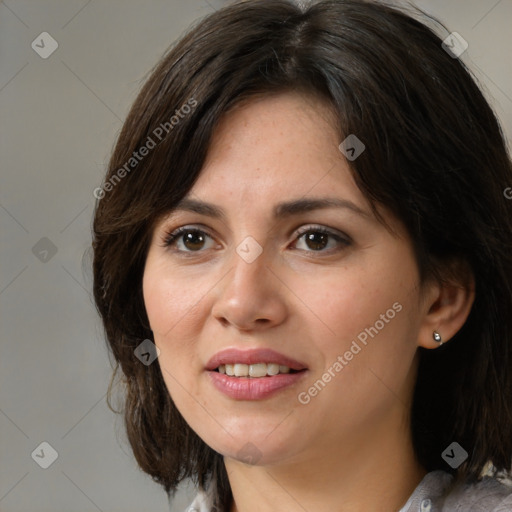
[489, 494]
[202, 503]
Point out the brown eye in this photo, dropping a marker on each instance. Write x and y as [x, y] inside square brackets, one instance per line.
[317, 239]
[191, 239]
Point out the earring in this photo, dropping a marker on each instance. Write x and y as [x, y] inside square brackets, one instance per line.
[437, 337]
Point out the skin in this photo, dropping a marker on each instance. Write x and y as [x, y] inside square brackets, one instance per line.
[349, 448]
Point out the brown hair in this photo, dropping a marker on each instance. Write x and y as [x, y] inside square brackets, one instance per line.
[435, 157]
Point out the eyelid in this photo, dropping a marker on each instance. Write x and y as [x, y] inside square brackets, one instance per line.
[169, 237]
[176, 232]
[323, 229]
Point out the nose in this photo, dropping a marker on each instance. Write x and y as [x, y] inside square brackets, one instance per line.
[251, 296]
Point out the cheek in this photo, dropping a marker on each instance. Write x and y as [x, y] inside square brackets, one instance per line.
[173, 306]
[169, 301]
[371, 305]
[366, 358]
[342, 303]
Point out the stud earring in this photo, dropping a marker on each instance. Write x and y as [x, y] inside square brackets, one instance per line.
[437, 338]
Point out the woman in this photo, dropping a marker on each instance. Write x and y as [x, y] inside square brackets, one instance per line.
[303, 263]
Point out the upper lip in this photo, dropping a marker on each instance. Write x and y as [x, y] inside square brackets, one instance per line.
[252, 356]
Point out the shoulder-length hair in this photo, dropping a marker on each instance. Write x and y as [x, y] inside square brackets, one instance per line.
[435, 157]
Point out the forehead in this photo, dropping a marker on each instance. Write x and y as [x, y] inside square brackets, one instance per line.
[280, 120]
[284, 140]
[277, 156]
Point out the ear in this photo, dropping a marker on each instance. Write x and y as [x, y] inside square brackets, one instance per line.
[446, 306]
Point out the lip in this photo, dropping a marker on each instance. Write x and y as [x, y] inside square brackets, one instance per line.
[252, 356]
[258, 388]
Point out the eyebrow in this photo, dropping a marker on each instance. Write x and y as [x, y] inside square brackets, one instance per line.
[280, 210]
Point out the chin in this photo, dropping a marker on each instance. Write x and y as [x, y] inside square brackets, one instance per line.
[258, 449]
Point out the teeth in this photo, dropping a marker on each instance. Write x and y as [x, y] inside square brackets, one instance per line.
[252, 370]
[272, 369]
[241, 370]
[258, 370]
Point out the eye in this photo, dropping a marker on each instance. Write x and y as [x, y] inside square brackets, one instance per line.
[317, 238]
[190, 238]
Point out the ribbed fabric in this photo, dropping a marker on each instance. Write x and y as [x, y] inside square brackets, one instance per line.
[487, 495]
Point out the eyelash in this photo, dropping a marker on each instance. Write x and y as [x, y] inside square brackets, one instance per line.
[171, 237]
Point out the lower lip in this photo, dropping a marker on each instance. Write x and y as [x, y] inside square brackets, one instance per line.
[255, 388]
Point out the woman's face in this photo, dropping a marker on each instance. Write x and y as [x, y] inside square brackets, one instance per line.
[327, 287]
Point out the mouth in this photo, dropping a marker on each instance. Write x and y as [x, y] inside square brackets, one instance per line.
[254, 371]
[253, 362]
[254, 374]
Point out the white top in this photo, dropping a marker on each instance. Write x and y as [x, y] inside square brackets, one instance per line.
[487, 495]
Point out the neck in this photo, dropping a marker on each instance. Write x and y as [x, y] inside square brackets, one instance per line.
[374, 472]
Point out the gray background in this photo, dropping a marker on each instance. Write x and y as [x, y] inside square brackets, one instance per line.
[59, 118]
